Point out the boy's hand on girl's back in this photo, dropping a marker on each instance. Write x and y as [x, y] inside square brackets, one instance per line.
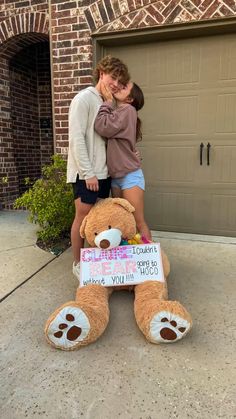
[92, 184]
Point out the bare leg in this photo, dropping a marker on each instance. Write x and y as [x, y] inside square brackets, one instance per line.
[81, 210]
[116, 192]
[135, 196]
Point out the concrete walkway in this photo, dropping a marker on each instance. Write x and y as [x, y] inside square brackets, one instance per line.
[121, 375]
[20, 258]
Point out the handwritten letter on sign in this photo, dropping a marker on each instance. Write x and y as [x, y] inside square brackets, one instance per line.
[122, 265]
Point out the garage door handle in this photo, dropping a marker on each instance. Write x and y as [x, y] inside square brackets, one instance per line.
[201, 149]
[208, 154]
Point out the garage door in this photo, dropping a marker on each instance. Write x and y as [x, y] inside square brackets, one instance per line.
[189, 132]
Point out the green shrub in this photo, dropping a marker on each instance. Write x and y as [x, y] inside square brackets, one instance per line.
[50, 202]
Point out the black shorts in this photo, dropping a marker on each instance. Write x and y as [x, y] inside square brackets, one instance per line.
[90, 197]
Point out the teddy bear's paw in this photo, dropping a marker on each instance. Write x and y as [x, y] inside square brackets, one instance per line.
[69, 328]
[167, 327]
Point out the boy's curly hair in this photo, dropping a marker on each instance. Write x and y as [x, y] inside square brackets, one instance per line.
[115, 67]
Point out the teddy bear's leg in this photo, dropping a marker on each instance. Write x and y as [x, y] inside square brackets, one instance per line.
[78, 323]
[160, 320]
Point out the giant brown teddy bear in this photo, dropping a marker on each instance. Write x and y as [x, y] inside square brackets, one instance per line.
[80, 322]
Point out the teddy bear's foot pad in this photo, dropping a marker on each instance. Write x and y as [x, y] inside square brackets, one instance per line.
[69, 328]
[167, 327]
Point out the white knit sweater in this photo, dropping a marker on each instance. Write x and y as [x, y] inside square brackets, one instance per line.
[87, 149]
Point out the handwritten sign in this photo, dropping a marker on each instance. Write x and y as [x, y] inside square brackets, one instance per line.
[122, 265]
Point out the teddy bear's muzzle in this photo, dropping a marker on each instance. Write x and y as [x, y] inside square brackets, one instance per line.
[108, 239]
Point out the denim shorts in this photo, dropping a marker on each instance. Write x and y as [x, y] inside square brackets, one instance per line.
[130, 180]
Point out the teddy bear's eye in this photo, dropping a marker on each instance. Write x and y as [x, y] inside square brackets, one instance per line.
[109, 227]
[95, 234]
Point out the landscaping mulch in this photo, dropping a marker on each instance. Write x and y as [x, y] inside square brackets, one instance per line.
[55, 247]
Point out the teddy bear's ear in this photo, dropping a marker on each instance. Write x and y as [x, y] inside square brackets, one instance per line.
[123, 203]
[82, 227]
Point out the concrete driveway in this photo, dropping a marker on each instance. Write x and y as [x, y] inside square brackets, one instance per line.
[121, 375]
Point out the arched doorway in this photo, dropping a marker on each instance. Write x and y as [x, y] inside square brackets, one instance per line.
[26, 112]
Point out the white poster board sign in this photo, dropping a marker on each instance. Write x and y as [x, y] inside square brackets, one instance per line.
[122, 265]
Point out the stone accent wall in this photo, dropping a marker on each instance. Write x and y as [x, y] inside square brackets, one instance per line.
[72, 22]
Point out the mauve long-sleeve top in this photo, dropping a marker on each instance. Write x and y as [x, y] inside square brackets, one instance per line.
[118, 126]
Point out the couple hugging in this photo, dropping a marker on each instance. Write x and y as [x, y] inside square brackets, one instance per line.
[104, 128]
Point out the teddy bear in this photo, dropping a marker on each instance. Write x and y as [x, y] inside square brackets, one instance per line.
[82, 321]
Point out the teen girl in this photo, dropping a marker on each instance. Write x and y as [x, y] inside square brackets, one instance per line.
[118, 122]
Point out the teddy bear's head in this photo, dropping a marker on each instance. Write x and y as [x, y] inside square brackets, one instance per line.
[108, 222]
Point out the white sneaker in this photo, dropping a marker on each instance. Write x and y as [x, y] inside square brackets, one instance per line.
[76, 270]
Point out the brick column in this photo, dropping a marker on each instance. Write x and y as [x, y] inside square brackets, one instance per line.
[71, 62]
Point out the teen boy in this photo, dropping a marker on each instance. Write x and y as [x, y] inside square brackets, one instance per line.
[86, 165]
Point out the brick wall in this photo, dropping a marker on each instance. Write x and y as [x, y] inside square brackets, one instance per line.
[72, 27]
[72, 23]
[72, 61]
[26, 146]
[24, 115]
[44, 102]
[23, 24]
[30, 94]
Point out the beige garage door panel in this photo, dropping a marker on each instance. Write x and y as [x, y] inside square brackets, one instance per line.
[225, 113]
[170, 115]
[163, 167]
[190, 98]
[223, 166]
[173, 64]
[181, 210]
[223, 213]
[178, 211]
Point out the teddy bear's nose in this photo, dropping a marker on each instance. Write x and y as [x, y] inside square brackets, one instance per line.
[104, 244]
